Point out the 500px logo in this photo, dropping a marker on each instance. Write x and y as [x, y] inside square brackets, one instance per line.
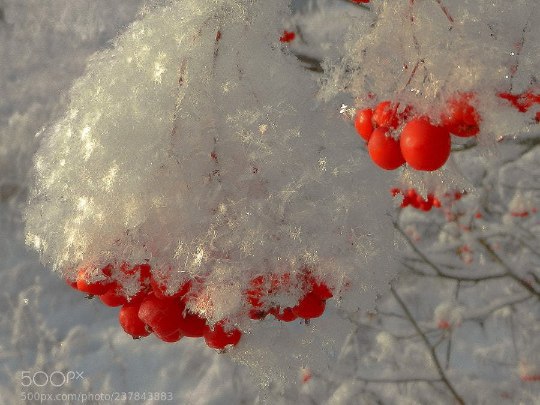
[55, 378]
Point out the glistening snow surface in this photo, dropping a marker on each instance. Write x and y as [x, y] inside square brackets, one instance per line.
[194, 144]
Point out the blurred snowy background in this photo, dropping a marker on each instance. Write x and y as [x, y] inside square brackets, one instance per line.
[459, 317]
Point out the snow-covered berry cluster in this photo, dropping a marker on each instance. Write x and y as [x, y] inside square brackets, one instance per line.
[397, 135]
[176, 155]
[149, 304]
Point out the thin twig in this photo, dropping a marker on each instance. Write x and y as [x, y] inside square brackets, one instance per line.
[417, 251]
[429, 346]
[454, 277]
[509, 270]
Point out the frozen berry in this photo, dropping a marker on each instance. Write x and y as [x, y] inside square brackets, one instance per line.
[130, 322]
[114, 297]
[363, 123]
[192, 325]
[424, 146]
[219, 338]
[163, 316]
[311, 306]
[285, 314]
[384, 150]
[93, 284]
[160, 289]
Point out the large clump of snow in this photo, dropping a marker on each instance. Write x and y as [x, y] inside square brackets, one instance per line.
[194, 145]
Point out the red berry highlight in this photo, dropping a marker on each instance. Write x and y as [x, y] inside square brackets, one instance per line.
[311, 306]
[130, 322]
[92, 287]
[461, 118]
[219, 338]
[425, 146]
[363, 123]
[384, 150]
[163, 316]
[385, 115]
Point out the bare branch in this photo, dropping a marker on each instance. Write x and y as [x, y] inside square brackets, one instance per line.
[429, 346]
[509, 270]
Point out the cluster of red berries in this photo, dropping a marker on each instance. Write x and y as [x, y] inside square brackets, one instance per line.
[287, 36]
[523, 101]
[415, 200]
[264, 291]
[153, 310]
[524, 213]
[422, 144]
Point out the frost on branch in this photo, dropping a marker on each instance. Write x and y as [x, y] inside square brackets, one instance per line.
[194, 145]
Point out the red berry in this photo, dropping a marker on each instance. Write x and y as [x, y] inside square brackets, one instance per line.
[169, 337]
[363, 123]
[98, 287]
[163, 316]
[461, 118]
[255, 292]
[425, 146]
[419, 201]
[322, 290]
[310, 284]
[443, 324]
[72, 284]
[142, 270]
[130, 322]
[522, 102]
[287, 36]
[160, 289]
[425, 206]
[285, 315]
[385, 115]
[311, 306]
[384, 150]
[219, 338]
[192, 325]
[257, 315]
[411, 198]
[114, 297]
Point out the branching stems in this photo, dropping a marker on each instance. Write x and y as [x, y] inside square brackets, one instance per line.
[429, 346]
